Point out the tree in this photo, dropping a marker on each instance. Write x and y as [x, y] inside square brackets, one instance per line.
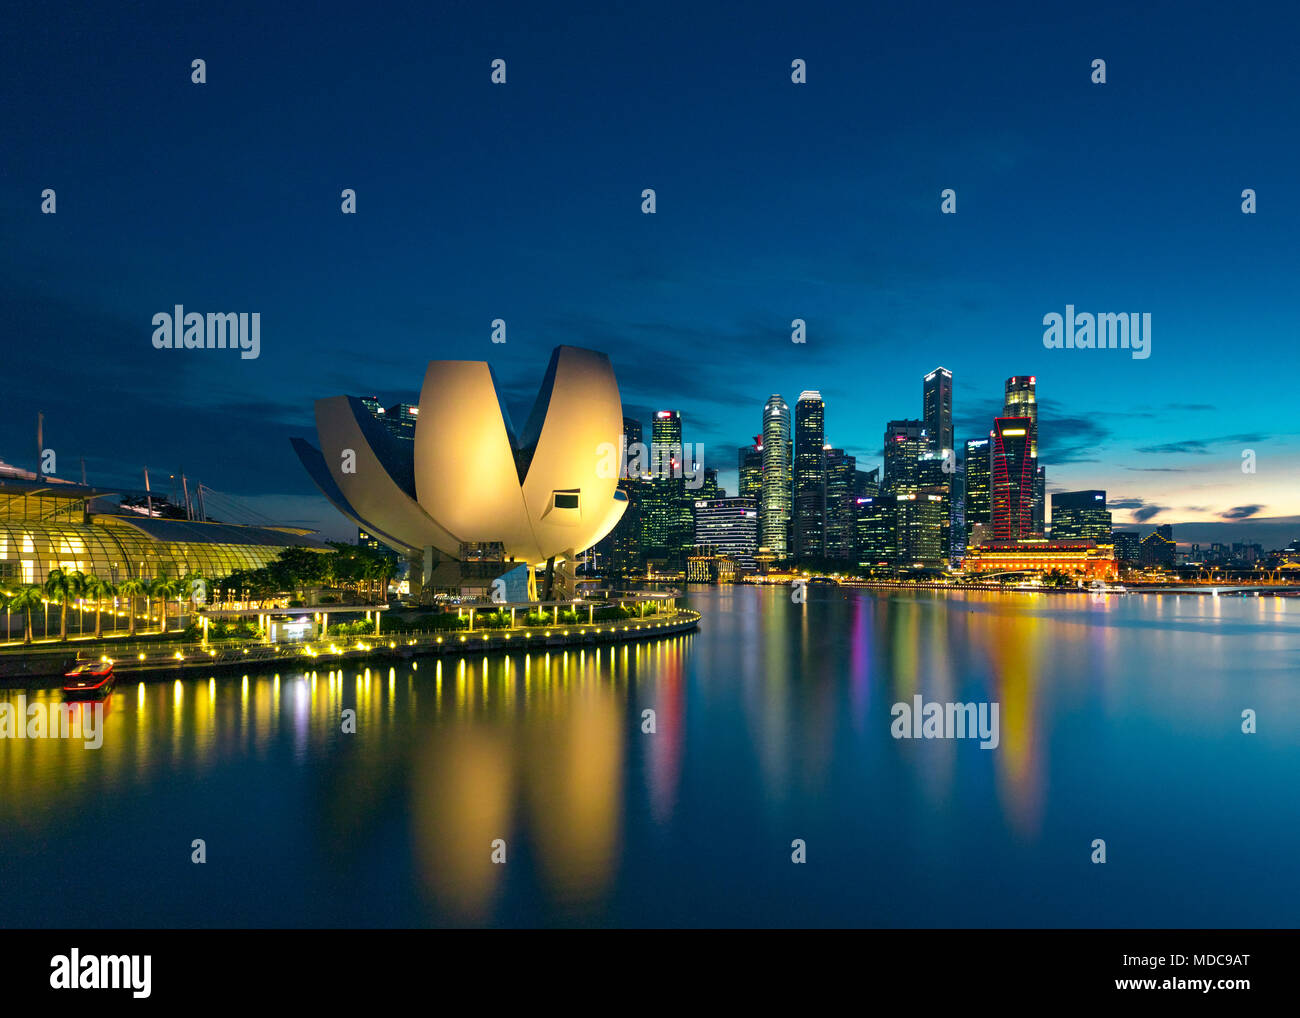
[60, 587]
[163, 588]
[99, 589]
[28, 597]
[132, 589]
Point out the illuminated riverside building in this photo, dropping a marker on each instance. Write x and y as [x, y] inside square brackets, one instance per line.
[933, 478]
[1126, 547]
[936, 403]
[841, 504]
[774, 513]
[749, 470]
[1021, 400]
[921, 523]
[1081, 515]
[979, 493]
[1013, 474]
[469, 478]
[1084, 559]
[1158, 549]
[904, 443]
[876, 530]
[46, 524]
[730, 526]
[809, 519]
[619, 552]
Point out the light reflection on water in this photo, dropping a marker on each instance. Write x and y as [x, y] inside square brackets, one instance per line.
[1119, 718]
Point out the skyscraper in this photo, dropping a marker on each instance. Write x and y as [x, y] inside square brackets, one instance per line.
[904, 443]
[1021, 400]
[877, 542]
[841, 504]
[774, 516]
[749, 470]
[729, 526]
[809, 476]
[666, 444]
[1081, 515]
[936, 403]
[978, 475]
[1012, 481]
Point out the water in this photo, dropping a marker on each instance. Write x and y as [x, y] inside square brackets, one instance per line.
[1120, 719]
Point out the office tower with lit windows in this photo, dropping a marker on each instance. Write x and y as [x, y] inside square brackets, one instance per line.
[841, 505]
[876, 537]
[666, 444]
[920, 523]
[1081, 514]
[620, 551]
[401, 419]
[1012, 479]
[904, 443]
[866, 482]
[774, 515]
[729, 526]
[809, 476]
[1021, 400]
[1127, 548]
[977, 511]
[749, 470]
[936, 404]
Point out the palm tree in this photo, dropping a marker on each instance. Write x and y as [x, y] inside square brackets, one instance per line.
[99, 589]
[78, 579]
[130, 590]
[60, 587]
[28, 596]
[163, 588]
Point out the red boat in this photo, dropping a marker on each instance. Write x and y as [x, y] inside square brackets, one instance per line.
[90, 680]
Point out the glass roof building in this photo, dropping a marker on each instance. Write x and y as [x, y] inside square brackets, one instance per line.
[47, 525]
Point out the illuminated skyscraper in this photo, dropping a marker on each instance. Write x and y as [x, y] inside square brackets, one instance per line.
[666, 444]
[1081, 514]
[904, 443]
[749, 470]
[730, 526]
[978, 489]
[809, 476]
[877, 542]
[1013, 476]
[936, 402]
[920, 525]
[774, 517]
[401, 419]
[1021, 400]
[841, 504]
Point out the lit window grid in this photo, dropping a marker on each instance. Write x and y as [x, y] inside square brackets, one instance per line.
[29, 551]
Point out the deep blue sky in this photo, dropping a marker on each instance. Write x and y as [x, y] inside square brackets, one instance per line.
[775, 201]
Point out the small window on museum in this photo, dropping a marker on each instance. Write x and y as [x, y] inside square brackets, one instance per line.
[565, 499]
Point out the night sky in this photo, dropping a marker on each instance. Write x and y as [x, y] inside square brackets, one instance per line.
[775, 201]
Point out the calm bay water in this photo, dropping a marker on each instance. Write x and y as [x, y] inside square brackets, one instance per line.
[1120, 718]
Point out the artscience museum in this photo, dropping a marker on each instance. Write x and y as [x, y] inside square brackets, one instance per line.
[471, 499]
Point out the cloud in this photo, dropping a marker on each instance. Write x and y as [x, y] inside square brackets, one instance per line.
[1198, 446]
[1241, 512]
[1147, 511]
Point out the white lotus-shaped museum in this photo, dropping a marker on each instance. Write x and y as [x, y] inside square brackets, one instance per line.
[468, 478]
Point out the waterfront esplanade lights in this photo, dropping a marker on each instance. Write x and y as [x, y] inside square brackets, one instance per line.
[469, 481]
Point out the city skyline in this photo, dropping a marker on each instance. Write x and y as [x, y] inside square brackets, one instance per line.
[486, 216]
